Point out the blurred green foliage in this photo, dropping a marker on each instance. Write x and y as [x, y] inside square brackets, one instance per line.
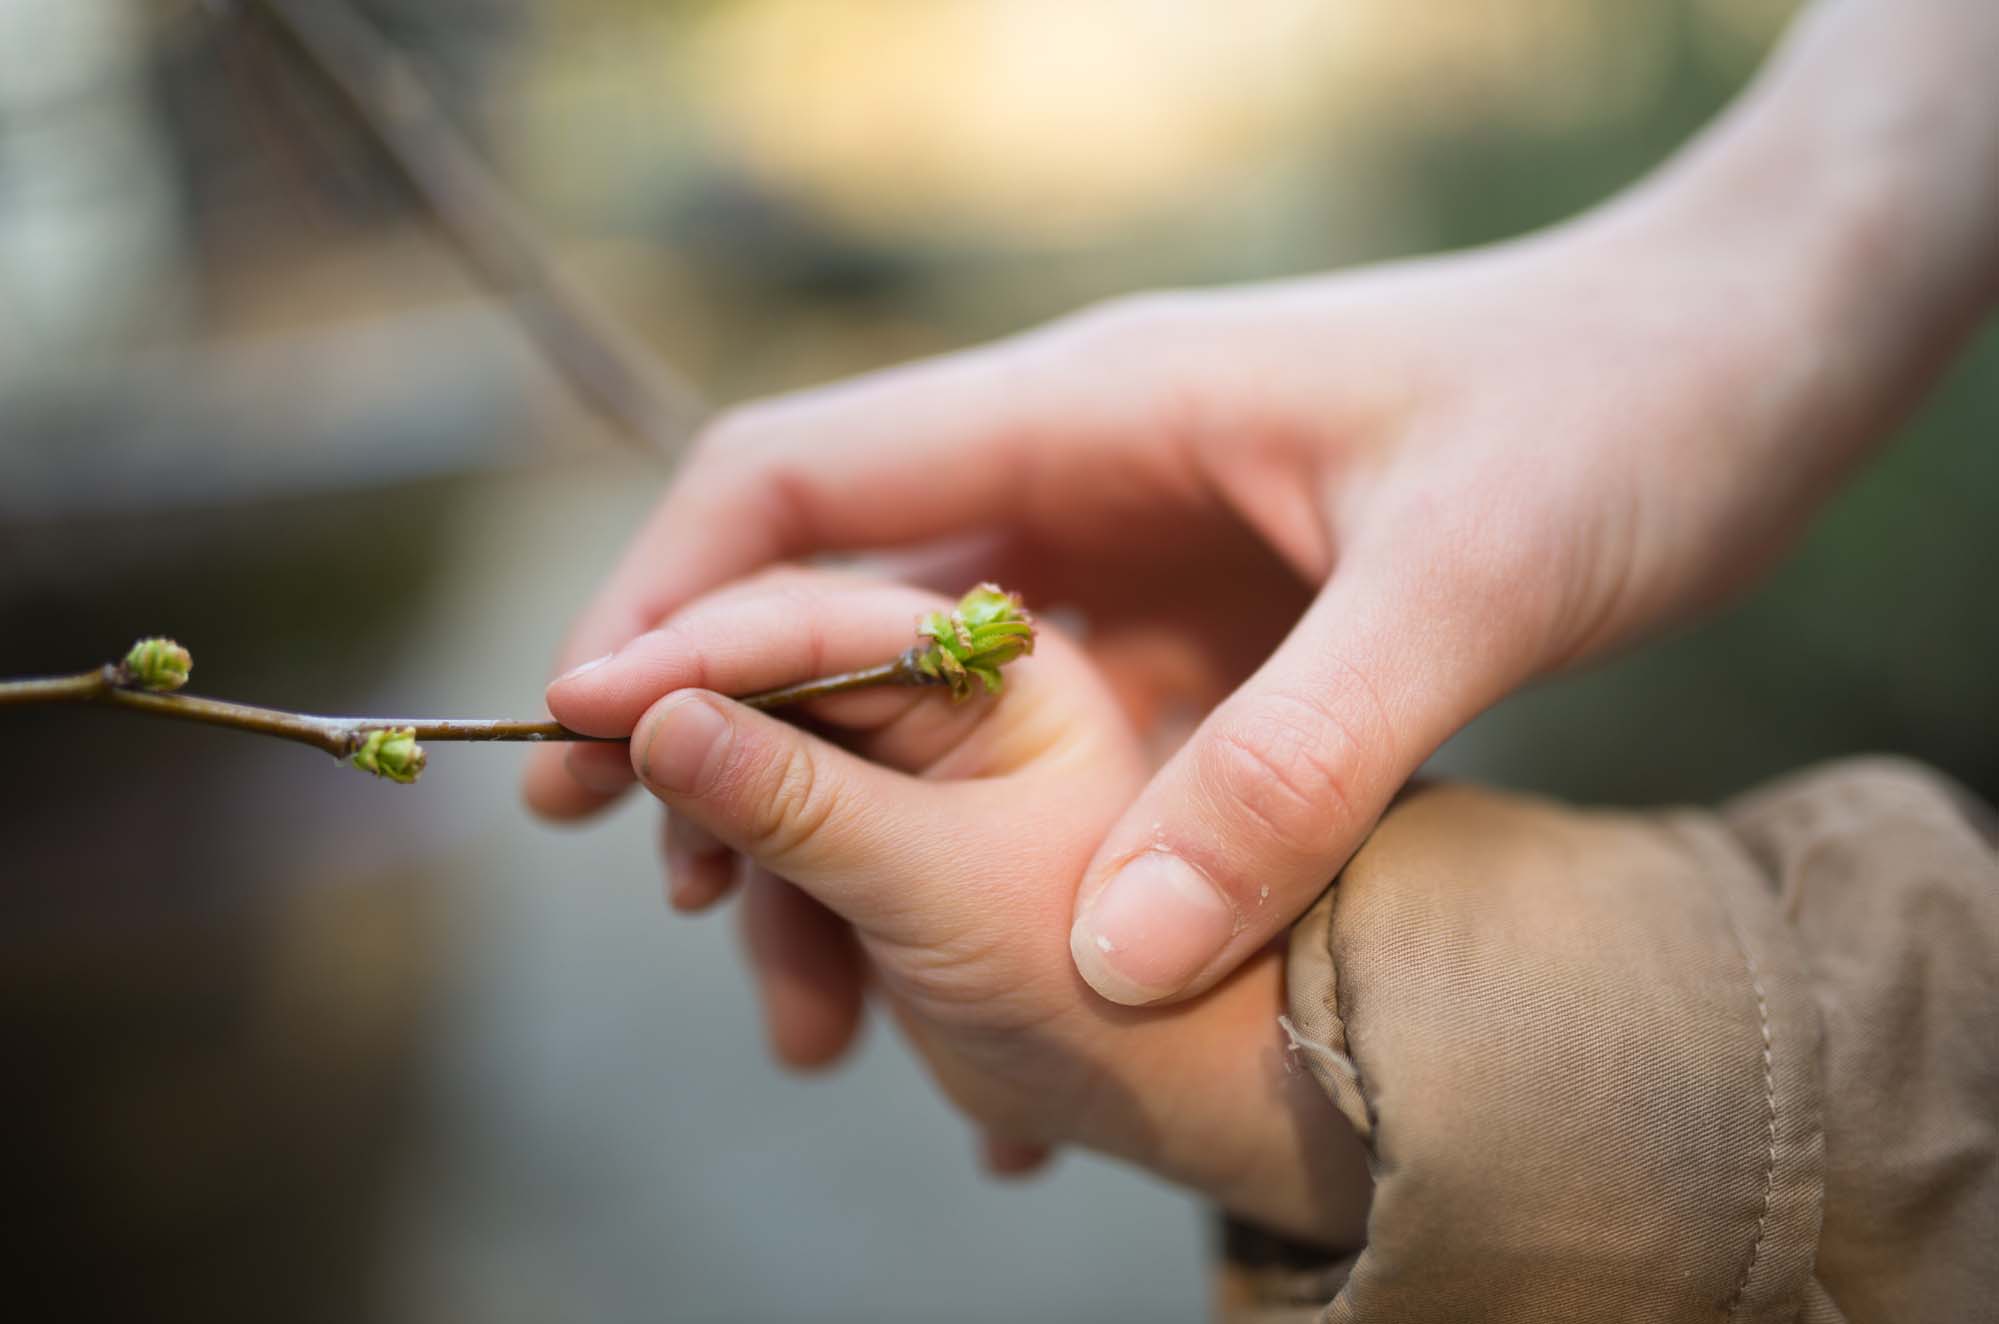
[1875, 635]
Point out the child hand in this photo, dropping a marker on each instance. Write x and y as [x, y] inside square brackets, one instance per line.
[940, 846]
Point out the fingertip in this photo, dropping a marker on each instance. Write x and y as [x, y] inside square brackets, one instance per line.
[1012, 1159]
[1090, 951]
[598, 698]
[700, 870]
[1152, 929]
[809, 972]
[604, 630]
[581, 669]
[604, 769]
[808, 1046]
[554, 794]
[694, 886]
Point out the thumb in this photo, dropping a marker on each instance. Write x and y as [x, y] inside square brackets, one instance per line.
[854, 835]
[1247, 824]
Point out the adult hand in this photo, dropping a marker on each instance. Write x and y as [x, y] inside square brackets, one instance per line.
[1363, 507]
[928, 851]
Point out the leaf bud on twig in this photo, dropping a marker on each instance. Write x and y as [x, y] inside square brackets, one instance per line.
[391, 752]
[156, 664]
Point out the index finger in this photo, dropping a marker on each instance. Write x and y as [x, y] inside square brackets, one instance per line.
[899, 457]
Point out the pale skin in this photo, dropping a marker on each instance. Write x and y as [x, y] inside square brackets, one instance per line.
[1339, 517]
[928, 848]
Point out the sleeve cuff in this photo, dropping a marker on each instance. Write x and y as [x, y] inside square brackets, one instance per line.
[1584, 1057]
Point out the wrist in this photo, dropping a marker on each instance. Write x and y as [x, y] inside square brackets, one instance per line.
[1846, 210]
[1206, 1098]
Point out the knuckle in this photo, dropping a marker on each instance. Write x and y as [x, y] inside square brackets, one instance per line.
[674, 648]
[1127, 324]
[718, 462]
[733, 433]
[799, 600]
[740, 451]
[1157, 342]
[743, 463]
[785, 590]
[1290, 766]
[791, 806]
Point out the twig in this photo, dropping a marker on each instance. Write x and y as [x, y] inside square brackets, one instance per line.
[341, 736]
[962, 650]
[609, 367]
[338, 736]
[902, 671]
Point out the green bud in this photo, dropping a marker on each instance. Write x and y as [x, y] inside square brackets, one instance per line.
[966, 648]
[157, 664]
[391, 752]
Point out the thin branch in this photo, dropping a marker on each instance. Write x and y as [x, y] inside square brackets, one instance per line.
[615, 372]
[341, 736]
[338, 736]
[902, 671]
[961, 650]
[344, 737]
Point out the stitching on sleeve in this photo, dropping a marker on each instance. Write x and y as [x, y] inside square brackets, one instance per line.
[1343, 1012]
[1770, 1119]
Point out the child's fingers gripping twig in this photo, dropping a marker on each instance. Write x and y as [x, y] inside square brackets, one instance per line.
[775, 628]
[700, 867]
[769, 631]
[603, 770]
[849, 832]
[948, 836]
[780, 627]
[809, 970]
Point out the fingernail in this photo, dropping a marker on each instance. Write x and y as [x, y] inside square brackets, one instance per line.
[687, 742]
[591, 665]
[1156, 925]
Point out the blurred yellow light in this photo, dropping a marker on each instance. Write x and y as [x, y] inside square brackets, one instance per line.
[1043, 114]
[1055, 119]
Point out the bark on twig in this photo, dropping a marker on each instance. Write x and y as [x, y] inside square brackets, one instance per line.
[961, 650]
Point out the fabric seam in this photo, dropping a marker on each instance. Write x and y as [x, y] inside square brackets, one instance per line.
[1703, 849]
[1769, 1117]
[1343, 1014]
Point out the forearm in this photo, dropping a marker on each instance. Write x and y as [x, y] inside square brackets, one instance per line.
[1856, 187]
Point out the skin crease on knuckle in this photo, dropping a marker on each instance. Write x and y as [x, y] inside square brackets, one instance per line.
[1285, 769]
[793, 803]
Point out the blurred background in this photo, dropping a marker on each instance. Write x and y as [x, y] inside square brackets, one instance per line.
[283, 1042]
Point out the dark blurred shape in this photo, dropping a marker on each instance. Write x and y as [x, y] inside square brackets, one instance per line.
[216, 952]
[212, 1114]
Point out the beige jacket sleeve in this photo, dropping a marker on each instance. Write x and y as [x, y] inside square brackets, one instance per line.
[1680, 1066]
